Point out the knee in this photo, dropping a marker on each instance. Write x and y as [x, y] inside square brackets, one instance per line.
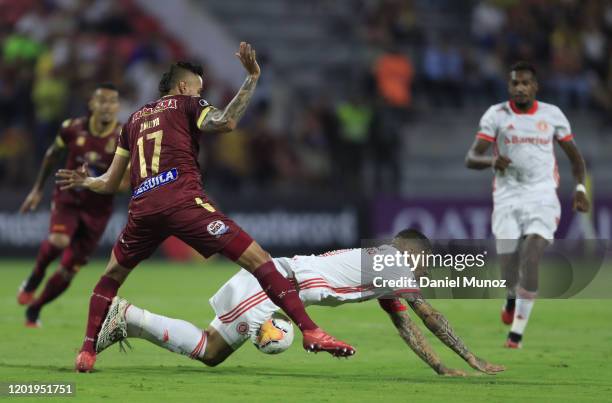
[117, 273]
[260, 257]
[69, 272]
[60, 241]
[255, 259]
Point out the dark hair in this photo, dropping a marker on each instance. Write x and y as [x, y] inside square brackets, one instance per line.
[523, 66]
[107, 86]
[411, 233]
[176, 72]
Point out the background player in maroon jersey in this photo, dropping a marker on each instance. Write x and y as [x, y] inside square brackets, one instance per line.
[78, 216]
[160, 140]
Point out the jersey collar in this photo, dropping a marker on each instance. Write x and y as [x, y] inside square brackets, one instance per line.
[530, 111]
[105, 133]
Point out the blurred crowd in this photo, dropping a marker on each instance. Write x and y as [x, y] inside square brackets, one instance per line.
[54, 51]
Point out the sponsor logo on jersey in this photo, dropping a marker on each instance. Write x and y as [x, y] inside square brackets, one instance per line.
[242, 328]
[217, 228]
[526, 140]
[156, 181]
[159, 107]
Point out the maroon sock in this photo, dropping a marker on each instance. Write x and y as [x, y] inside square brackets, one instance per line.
[46, 254]
[283, 294]
[55, 286]
[99, 302]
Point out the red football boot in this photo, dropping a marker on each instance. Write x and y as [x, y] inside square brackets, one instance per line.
[317, 340]
[85, 362]
[33, 324]
[507, 316]
[512, 344]
[24, 297]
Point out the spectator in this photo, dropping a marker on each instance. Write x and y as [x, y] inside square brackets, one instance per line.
[354, 118]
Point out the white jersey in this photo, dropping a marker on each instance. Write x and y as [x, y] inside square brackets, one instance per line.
[330, 279]
[527, 139]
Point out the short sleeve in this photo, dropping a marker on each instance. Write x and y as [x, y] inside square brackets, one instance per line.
[487, 129]
[63, 135]
[563, 130]
[123, 145]
[197, 109]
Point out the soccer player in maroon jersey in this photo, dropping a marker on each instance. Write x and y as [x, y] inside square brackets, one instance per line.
[78, 217]
[160, 140]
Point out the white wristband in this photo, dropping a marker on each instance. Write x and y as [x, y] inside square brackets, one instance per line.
[580, 188]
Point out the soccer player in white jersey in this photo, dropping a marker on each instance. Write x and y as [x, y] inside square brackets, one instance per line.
[331, 279]
[526, 209]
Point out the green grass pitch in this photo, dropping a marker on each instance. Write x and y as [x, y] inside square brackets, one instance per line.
[567, 354]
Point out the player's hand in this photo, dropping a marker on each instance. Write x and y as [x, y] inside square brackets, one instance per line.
[501, 162]
[247, 57]
[452, 372]
[70, 179]
[580, 202]
[31, 202]
[484, 366]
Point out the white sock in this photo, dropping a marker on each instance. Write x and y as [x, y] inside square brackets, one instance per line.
[521, 315]
[176, 335]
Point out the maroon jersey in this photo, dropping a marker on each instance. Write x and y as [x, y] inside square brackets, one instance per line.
[96, 149]
[161, 139]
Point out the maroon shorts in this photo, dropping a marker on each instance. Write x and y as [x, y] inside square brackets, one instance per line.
[83, 227]
[197, 223]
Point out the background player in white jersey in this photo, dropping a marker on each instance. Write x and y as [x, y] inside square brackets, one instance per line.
[526, 208]
[331, 279]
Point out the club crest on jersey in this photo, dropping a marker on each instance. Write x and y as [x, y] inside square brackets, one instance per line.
[217, 228]
[242, 328]
[542, 125]
[156, 181]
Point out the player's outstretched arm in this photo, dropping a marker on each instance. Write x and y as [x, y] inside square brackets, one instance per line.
[217, 120]
[106, 183]
[125, 185]
[478, 158]
[581, 202]
[413, 336]
[52, 156]
[439, 326]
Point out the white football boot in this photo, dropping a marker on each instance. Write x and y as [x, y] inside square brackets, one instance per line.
[114, 327]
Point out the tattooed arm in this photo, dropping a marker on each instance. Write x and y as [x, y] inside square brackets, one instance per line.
[413, 336]
[217, 120]
[439, 326]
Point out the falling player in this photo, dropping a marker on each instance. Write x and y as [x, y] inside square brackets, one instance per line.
[78, 217]
[330, 279]
[161, 142]
[526, 208]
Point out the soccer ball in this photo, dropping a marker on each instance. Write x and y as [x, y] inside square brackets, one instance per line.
[274, 335]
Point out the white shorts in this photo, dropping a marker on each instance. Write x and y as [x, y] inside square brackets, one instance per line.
[511, 221]
[240, 329]
[241, 306]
